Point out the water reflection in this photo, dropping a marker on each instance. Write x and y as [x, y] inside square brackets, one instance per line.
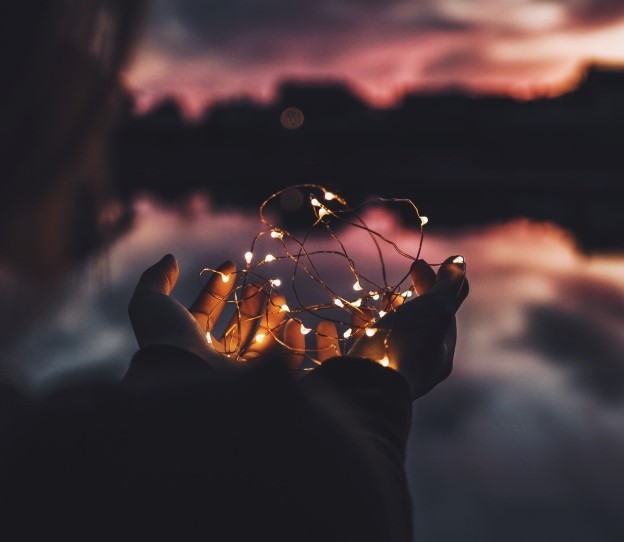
[526, 436]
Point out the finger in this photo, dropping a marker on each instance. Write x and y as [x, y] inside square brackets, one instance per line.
[451, 280]
[294, 344]
[160, 277]
[268, 329]
[391, 301]
[327, 344]
[423, 276]
[241, 328]
[212, 299]
[360, 320]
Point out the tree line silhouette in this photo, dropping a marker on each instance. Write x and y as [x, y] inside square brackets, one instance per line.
[465, 159]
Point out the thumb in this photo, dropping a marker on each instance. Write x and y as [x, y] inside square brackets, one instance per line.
[160, 277]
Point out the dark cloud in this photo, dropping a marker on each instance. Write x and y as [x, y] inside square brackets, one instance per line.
[595, 11]
[510, 463]
[225, 22]
[581, 344]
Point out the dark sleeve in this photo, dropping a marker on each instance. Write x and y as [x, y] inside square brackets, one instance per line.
[377, 396]
[374, 402]
[348, 421]
[180, 448]
[156, 365]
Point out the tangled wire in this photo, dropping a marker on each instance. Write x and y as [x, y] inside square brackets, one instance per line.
[275, 250]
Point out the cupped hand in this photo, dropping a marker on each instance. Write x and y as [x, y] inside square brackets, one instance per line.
[417, 338]
[252, 331]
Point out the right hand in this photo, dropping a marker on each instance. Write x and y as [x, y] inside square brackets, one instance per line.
[418, 337]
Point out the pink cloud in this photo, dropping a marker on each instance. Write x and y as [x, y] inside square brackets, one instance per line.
[532, 49]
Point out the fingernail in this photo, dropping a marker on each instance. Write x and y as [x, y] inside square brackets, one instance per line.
[169, 261]
[459, 261]
[451, 266]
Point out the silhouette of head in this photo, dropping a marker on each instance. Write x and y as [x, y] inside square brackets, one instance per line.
[61, 60]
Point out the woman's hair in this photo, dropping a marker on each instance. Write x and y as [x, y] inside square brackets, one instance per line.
[62, 61]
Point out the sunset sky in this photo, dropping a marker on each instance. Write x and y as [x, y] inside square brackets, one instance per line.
[202, 52]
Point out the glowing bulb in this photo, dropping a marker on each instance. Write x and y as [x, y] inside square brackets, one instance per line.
[329, 196]
[370, 332]
[209, 337]
[305, 330]
[424, 220]
[347, 333]
[385, 361]
[260, 337]
[356, 303]
[459, 259]
[374, 295]
[225, 278]
[338, 302]
[323, 211]
[315, 202]
[276, 282]
[382, 314]
[357, 286]
[276, 234]
[285, 308]
[269, 258]
[407, 293]
[248, 256]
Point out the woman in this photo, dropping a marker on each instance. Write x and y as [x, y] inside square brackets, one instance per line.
[188, 445]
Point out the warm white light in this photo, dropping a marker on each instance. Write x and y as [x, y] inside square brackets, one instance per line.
[285, 308]
[370, 332]
[338, 302]
[248, 256]
[315, 202]
[329, 196]
[424, 220]
[356, 303]
[382, 314]
[459, 259]
[375, 295]
[209, 337]
[407, 293]
[357, 286]
[276, 282]
[269, 258]
[323, 211]
[385, 361]
[305, 330]
[260, 337]
[347, 333]
[225, 278]
[276, 234]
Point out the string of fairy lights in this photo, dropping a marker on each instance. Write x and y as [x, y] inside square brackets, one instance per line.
[352, 314]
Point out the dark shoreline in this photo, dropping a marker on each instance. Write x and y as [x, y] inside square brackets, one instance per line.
[465, 160]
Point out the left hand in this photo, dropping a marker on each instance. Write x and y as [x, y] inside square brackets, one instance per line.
[158, 318]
